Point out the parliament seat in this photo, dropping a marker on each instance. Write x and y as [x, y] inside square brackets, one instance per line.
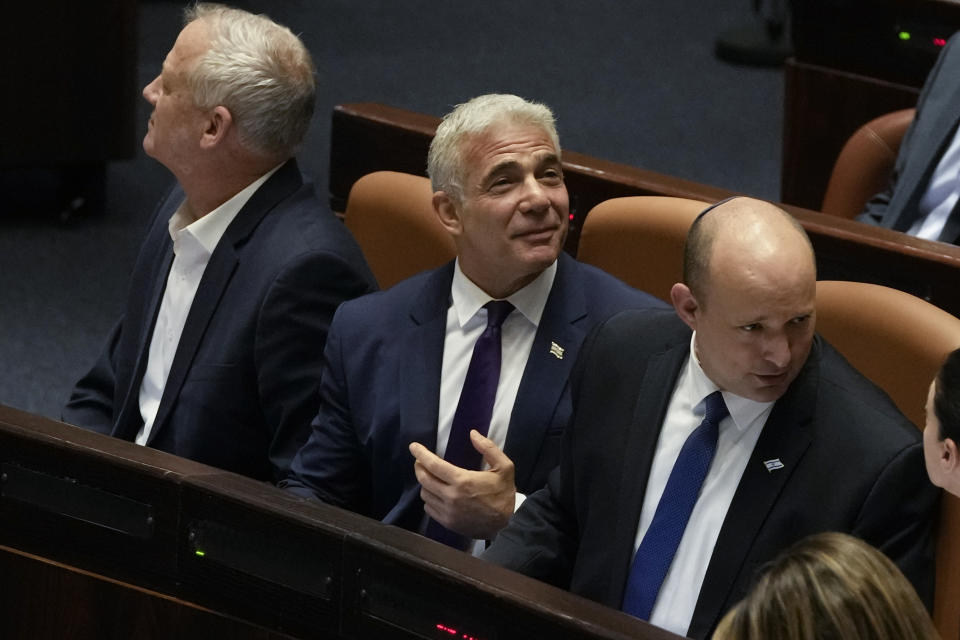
[639, 239]
[899, 342]
[391, 216]
[864, 165]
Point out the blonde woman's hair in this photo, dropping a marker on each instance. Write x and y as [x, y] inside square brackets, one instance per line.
[829, 586]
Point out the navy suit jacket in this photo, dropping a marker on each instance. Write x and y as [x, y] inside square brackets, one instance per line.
[851, 463]
[243, 384]
[381, 389]
[927, 139]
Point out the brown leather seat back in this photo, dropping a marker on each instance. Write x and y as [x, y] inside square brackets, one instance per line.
[391, 216]
[640, 240]
[899, 342]
[864, 165]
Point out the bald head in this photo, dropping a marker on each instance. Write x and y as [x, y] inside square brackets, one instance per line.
[745, 229]
[749, 293]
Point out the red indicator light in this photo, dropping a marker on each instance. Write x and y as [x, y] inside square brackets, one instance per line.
[571, 216]
[454, 632]
[940, 42]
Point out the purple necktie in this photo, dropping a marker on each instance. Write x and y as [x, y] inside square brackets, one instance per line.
[659, 544]
[475, 407]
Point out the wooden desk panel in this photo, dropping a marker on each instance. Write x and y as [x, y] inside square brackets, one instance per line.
[49, 600]
[228, 556]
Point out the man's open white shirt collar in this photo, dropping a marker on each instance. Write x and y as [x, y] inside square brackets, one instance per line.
[193, 244]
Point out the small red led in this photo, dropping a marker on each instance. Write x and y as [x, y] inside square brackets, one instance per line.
[940, 42]
[571, 216]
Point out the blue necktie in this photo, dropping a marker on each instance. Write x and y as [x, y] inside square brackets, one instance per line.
[659, 544]
[475, 407]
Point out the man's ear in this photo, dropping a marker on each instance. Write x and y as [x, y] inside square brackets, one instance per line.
[685, 304]
[948, 455]
[218, 125]
[447, 212]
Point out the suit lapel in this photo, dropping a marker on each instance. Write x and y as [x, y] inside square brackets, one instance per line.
[786, 436]
[150, 280]
[421, 362]
[422, 350]
[656, 389]
[927, 145]
[545, 376]
[216, 277]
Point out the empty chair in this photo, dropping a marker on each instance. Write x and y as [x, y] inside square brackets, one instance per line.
[391, 216]
[899, 341]
[639, 239]
[864, 165]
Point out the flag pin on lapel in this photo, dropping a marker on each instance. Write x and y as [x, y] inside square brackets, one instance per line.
[773, 465]
[556, 350]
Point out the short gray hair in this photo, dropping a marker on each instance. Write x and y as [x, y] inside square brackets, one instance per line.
[445, 162]
[261, 72]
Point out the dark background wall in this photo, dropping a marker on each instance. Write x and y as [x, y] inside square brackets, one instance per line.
[635, 82]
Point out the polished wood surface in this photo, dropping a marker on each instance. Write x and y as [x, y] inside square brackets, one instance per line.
[226, 556]
[49, 600]
[370, 137]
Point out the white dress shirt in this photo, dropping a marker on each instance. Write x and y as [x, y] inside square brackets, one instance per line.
[941, 196]
[738, 434]
[466, 320]
[193, 244]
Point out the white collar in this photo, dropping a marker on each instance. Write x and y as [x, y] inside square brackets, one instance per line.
[208, 229]
[467, 298]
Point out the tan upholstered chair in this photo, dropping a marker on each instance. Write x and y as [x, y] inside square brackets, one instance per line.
[899, 342]
[391, 216]
[863, 167]
[639, 239]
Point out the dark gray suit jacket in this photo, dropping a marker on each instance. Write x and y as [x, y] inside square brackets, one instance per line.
[381, 389]
[933, 128]
[243, 384]
[851, 463]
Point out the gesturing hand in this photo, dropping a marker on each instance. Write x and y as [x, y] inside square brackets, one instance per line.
[476, 504]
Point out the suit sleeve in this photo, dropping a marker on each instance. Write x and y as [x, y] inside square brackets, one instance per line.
[876, 207]
[542, 538]
[898, 517]
[291, 333]
[91, 402]
[331, 466]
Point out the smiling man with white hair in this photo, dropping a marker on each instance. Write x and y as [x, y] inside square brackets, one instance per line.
[464, 367]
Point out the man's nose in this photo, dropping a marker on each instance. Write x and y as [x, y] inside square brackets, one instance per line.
[777, 350]
[151, 90]
[534, 197]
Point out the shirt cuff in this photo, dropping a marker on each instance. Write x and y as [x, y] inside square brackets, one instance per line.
[518, 499]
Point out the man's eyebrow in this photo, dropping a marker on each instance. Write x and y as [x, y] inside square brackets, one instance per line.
[549, 158]
[501, 167]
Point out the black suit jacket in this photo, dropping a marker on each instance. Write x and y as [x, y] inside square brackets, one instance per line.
[243, 384]
[381, 389]
[851, 463]
[923, 146]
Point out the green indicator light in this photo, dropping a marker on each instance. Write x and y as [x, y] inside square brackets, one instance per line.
[904, 35]
[200, 552]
